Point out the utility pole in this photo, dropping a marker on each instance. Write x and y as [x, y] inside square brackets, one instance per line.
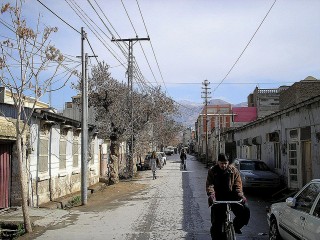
[84, 120]
[84, 123]
[206, 97]
[131, 41]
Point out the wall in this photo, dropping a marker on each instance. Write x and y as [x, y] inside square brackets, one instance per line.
[303, 115]
[298, 92]
[55, 182]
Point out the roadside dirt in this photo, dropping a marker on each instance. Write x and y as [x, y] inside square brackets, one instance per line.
[102, 200]
[109, 197]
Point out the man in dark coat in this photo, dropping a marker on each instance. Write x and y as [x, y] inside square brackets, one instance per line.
[224, 184]
[183, 158]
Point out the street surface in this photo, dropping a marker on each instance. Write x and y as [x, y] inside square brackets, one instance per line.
[173, 206]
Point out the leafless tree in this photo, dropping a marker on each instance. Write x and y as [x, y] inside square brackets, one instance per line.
[26, 73]
[110, 99]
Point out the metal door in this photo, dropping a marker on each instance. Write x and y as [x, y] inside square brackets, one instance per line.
[293, 166]
[4, 175]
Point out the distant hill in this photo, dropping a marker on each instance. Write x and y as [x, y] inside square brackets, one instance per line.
[189, 111]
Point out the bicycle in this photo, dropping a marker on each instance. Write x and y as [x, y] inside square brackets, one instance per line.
[228, 232]
[183, 165]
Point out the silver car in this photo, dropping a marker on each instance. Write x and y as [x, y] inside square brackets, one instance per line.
[256, 174]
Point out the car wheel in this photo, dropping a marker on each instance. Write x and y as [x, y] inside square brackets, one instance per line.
[273, 230]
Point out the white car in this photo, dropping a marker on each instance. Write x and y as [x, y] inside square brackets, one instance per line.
[169, 150]
[298, 217]
[163, 158]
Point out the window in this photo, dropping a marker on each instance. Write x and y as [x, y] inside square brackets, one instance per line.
[43, 154]
[307, 197]
[63, 149]
[316, 211]
[43, 149]
[273, 137]
[92, 152]
[75, 150]
[293, 134]
[246, 166]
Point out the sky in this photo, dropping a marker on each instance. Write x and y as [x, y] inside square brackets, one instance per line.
[264, 43]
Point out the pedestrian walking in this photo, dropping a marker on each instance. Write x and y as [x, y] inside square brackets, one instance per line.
[153, 163]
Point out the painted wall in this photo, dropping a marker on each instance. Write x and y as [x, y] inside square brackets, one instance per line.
[281, 122]
[55, 182]
[244, 114]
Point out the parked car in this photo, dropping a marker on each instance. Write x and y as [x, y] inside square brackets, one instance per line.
[162, 157]
[169, 150]
[256, 174]
[298, 217]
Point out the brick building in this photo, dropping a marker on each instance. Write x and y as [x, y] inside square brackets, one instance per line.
[299, 92]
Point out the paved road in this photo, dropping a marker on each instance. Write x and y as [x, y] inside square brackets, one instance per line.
[174, 206]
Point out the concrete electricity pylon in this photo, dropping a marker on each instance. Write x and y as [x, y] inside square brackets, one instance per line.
[206, 97]
[84, 119]
[131, 41]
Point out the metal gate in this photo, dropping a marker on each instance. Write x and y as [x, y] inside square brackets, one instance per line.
[4, 175]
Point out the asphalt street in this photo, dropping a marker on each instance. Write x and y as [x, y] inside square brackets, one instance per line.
[173, 206]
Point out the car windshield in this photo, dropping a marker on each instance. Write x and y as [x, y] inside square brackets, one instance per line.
[258, 166]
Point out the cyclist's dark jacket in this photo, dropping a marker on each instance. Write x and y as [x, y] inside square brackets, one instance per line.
[183, 156]
[225, 185]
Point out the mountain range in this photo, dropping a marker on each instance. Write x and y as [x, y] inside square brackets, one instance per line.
[188, 112]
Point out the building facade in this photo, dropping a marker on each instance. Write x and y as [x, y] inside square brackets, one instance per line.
[286, 140]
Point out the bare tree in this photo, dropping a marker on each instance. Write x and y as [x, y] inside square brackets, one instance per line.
[109, 98]
[26, 73]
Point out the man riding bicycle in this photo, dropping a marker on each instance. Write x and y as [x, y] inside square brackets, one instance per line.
[183, 158]
[224, 184]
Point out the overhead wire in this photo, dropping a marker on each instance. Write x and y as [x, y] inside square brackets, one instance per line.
[228, 83]
[145, 26]
[124, 51]
[58, 17]
[92, 29]
[11, 29]
[246, 46]
[139, 41]
[140, 76]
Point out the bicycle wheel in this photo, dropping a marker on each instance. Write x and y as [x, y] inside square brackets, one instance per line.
[230, 233]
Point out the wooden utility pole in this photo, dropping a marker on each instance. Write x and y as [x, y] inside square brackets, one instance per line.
[130, 95]
[206, 97]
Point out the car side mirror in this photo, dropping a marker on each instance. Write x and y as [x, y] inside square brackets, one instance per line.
[291, 202]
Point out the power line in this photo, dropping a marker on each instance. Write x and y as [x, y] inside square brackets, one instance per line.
[151, 46]
[228, 83]
[94, 31]
[246, 46]
[41, 50]
[139, 41]
[112, 36]
[58, 17]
